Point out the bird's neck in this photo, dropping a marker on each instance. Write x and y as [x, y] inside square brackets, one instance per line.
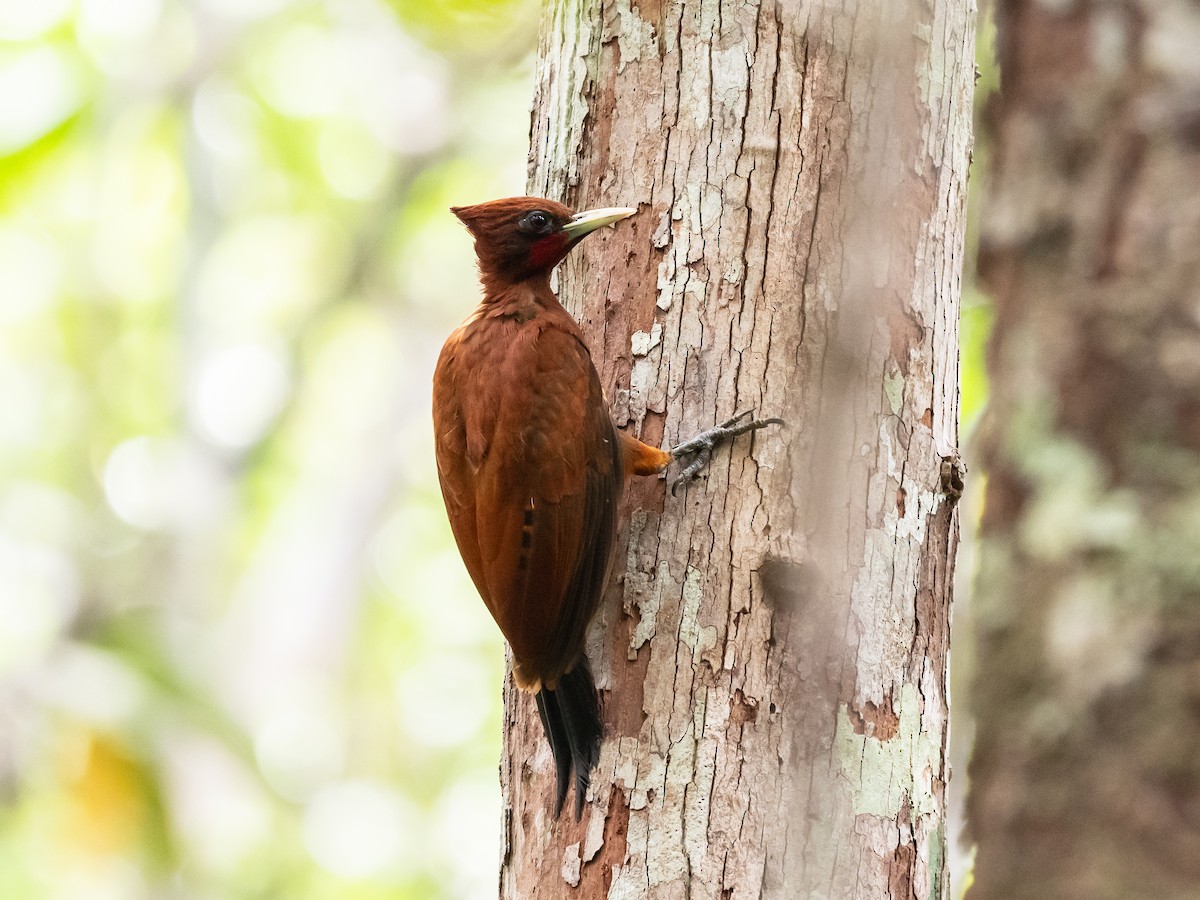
[523, 299]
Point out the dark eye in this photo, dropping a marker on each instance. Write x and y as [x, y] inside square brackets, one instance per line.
[536, 222]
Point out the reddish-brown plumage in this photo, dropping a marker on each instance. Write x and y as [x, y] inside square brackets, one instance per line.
[531, 466]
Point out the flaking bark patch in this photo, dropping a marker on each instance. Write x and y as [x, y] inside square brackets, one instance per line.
[877, 721]
[904, 771]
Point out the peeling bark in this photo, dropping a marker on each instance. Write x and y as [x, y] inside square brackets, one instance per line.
[772, 652]
[1085, 777]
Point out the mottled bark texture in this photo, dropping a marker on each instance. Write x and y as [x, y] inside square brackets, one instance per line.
[1085, 779]
[772, 652]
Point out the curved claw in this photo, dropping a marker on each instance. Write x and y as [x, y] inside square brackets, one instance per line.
[692, 470]
[729, 423]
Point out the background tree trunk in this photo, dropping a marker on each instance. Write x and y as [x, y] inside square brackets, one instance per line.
[1085, 778]
[773, 650]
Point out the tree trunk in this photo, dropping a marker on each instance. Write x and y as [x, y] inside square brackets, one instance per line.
[772, 652]
[1085, 779]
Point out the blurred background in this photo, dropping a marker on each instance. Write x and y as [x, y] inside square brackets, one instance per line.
[239, 656]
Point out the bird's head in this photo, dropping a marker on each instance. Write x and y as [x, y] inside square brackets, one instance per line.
[522, 237]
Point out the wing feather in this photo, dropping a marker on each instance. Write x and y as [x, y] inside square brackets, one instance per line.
[531, 469]
[554, 471]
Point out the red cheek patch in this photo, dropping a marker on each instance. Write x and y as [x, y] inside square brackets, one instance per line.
[548, 251]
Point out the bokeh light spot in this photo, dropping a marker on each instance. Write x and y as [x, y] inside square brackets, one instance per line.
[360, 829]
[421, 698]
[31, 267]
[299, 750]
[38, 90]
[352, 160]
[238, 392]
[40, 595]
[25, 21]
[153, 482]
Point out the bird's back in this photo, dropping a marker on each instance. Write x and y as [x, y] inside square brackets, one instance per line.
[529, 465]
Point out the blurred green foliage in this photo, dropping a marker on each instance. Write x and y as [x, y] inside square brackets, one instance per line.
[975, 323]
[239, 656]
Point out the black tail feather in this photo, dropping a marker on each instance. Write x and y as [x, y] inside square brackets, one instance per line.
[556, 734]
[580, 706]
[571, 718]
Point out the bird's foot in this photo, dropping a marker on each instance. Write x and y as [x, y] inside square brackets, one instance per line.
[696, 453]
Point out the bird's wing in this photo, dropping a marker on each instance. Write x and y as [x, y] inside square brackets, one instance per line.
[456, 464]
[547, 492]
